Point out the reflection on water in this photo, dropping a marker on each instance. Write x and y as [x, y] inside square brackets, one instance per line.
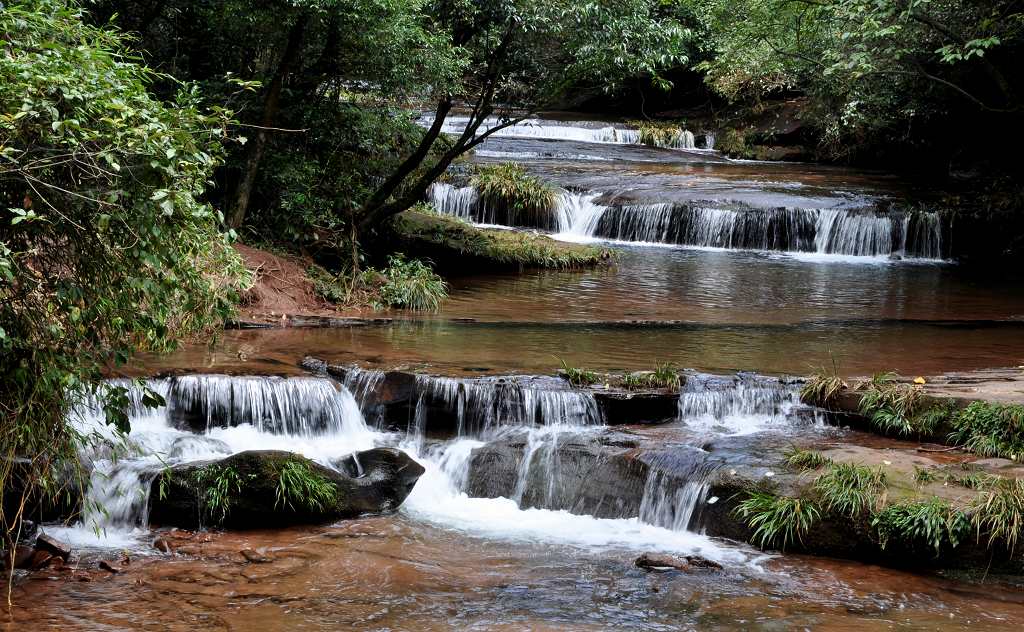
[713, 310]
[393, 573]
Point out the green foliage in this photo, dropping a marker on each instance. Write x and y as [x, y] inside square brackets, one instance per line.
[577, 376]
[299, 486]
[867, 67]
[217, 486]
[892, 406]
[777, 520]
[998, 513]
[334, 288]
[800, 459]
[990, 429]
[516, 249]
[923, 476]
[850, 490]
[509, 195]
[822, 389]
[106, 245]
[406, 283]
[664, 375]
[934, 523]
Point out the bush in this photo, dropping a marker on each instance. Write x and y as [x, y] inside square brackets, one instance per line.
[664, 134]
[105, 243]
[410, 283]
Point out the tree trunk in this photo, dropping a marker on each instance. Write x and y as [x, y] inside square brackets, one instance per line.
[271, 107]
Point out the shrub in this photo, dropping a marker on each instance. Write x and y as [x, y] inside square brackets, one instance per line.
[777, 520]
[106, 245]
[510, 196]
[410, 283]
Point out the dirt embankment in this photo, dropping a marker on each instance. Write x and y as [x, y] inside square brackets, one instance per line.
[283, 289]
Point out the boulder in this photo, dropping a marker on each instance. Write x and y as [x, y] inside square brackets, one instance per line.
[268, 488]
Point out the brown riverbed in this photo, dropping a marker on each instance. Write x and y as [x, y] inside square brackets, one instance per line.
[395, 574]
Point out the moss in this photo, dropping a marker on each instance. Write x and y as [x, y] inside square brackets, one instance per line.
[449, 239]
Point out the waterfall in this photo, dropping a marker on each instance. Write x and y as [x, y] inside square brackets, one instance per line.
[295, 406]
[476, 407]
[205, 417]
[458, 202]
[740, 405]
[363, 384]
[825, 231]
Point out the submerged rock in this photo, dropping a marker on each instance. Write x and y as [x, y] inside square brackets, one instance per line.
[657, 561]
[269, 488]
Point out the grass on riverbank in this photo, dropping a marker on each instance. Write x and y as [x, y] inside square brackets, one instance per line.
[458, 243]
[512, 197]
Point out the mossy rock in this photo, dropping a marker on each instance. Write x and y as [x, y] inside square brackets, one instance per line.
[269, 488]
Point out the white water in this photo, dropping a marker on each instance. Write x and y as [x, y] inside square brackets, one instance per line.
[739, 406]
[832, 233]
[327, 425]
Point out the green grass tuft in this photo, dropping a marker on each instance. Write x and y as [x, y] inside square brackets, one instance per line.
[577, 376]
[850, 490]
[800, 459]
[822, 389]
[998, 513]
[990, 429]
[298, 485]
[664, 376]
[777, 520]
[513, 197]
[934, 523]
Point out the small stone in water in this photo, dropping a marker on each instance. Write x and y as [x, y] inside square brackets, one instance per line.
[254, 556]
[712, 500]
[769, 474]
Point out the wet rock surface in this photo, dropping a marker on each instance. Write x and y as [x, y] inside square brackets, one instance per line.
[370, 482]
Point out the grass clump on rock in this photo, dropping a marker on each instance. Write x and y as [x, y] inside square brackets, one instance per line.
[822, 389]
[934, 523]
[991, 430]
[670, 134]
[800, 459]
[849, 489]
[777, 520]
[298, 485]
[663, 376]
[509, 195]
[577, 376]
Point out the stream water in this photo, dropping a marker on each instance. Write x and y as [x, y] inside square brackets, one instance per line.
[722, 266]
[451, 561]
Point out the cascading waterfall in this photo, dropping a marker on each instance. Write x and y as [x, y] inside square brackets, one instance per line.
[850, 232]
[742, 404]
[823, 231]
[212, 416]
[482, 405]
[588, 132]
[205, 417]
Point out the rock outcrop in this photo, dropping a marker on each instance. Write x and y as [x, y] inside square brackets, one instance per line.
[264, 488]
